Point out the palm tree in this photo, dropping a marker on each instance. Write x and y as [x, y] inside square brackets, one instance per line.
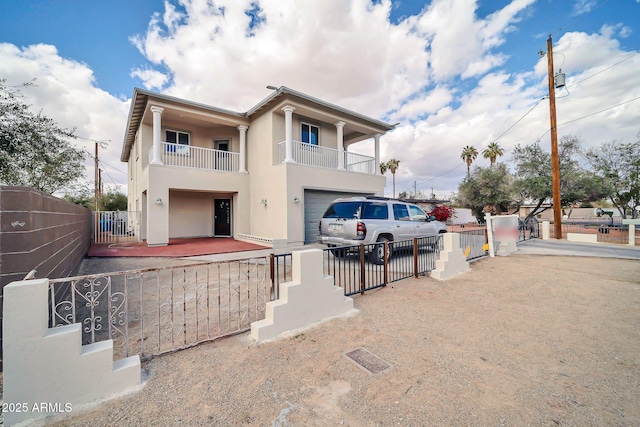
[469, 154]
[492, 152]
[392, 165]
[383, 168]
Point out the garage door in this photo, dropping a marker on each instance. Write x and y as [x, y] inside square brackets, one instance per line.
[315, 203]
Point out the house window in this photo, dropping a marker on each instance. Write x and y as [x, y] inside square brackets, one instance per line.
[309, 133]
[176, 137]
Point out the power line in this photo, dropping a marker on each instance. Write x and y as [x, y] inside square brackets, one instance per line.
[602, 71]
[485, 146]
[589, 115]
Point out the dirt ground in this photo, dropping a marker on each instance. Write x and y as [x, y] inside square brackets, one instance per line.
[519, 340]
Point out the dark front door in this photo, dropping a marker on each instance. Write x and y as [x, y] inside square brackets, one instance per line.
[222, 217]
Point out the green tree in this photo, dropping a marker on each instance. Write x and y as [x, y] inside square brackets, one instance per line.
[486, 190]
[34, 150]
[113, 200]
[80, 195]
[469, 154]
[532, 178]
[492, 152]
[617, 165]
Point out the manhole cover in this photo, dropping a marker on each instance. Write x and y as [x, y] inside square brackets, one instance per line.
[367, 361]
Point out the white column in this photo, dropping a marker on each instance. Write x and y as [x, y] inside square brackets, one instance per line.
[243, 148]
[340, 140]
[376, 139]
[157, 134]
[288, 126]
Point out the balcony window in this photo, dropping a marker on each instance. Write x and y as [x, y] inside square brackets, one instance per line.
[176, 137]
[309, 133]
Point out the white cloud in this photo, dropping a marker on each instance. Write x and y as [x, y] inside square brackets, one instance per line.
[151, 79]
[582, 7]
[441, 74]
[65, 91]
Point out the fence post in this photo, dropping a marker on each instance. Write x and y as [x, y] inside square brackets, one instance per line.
[385, 265]
[415, 257]
[272, 267]
[362, 275]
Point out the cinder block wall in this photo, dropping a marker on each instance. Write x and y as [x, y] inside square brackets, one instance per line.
[42, 232]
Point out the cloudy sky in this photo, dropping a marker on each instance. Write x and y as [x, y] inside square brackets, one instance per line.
[451, 72]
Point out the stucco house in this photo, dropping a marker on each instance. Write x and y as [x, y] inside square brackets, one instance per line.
[265, 175]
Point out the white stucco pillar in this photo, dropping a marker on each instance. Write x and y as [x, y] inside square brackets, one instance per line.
[376, 139]
[243, 148]
[288, 126]
[157, 134]
[340, 140]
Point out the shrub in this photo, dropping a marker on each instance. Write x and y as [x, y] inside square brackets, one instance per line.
[443, 213]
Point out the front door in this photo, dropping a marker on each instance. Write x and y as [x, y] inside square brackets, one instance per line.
[222, 217]
[222, 157]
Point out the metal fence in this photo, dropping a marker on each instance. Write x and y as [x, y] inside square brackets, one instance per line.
[354, 269]
[115, 226]
[154, 311]
[608, 231]
[473, 243]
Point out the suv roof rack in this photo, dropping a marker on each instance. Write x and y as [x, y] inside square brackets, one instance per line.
[379, 198]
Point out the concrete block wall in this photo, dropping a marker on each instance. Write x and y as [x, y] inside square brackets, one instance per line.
[42, 232]
[50, 369]
[309, 298]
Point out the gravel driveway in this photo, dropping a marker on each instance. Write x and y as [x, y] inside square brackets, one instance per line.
[520, 340]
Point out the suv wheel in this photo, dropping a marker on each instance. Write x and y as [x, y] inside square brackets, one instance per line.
[377, 256]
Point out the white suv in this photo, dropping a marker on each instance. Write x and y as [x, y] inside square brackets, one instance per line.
[365, 220]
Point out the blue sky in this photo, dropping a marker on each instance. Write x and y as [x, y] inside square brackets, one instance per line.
[451, 73]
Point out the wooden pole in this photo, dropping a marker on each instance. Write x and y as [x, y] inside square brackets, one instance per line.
[555, 162]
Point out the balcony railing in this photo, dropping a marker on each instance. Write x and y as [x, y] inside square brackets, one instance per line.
[187, 156]
[325, 157]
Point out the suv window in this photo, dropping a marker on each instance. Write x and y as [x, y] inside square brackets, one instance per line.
[400, 212]
[343, 210]
[375, 211]
[417, 214]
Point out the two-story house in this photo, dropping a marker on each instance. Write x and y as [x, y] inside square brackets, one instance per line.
[265, 175]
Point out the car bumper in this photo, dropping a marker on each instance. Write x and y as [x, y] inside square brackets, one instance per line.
[337, 241]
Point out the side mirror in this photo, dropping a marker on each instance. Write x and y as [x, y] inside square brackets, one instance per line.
[432, 218]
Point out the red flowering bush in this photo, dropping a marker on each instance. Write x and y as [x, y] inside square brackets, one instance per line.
[443, 213]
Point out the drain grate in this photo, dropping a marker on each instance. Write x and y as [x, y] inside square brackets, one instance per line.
[367, 361]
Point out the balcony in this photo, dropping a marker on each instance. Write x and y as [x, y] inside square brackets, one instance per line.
[187, 156]
[324, 157]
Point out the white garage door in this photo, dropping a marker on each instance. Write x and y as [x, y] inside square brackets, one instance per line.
[315, 204]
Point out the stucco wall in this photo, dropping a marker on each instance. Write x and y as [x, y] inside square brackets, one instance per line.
[167, 178]
[190, 214]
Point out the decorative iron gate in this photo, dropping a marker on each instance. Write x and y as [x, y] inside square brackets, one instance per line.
[528, 229]
[155, 311]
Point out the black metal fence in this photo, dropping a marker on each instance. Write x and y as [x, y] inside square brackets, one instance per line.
[361, 268]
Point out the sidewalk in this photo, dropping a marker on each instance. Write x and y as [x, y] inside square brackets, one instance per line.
[562, 247]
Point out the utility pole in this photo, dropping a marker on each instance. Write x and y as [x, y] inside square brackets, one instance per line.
[100, 184]
[555, 161]
[415, 189]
